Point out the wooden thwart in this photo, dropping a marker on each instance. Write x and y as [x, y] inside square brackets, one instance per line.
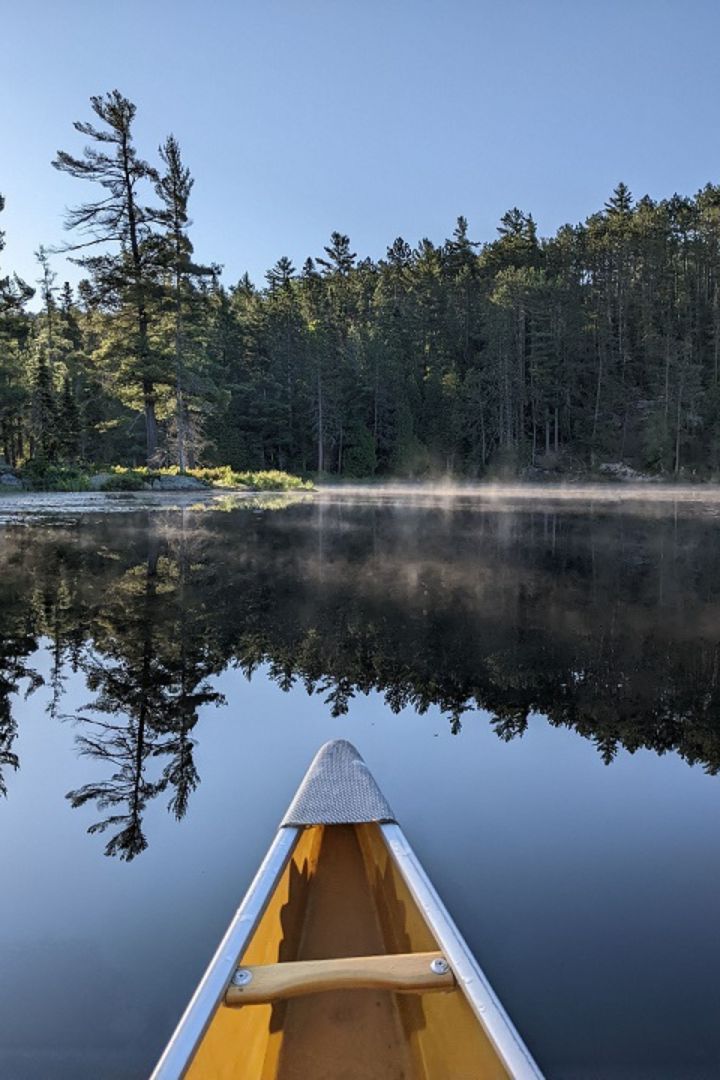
[401, 973]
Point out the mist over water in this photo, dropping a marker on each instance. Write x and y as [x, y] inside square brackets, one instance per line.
[642, 496]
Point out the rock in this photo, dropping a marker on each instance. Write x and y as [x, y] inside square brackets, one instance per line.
[624, 474]
[9, 481]
[99, 480]
[177, 483]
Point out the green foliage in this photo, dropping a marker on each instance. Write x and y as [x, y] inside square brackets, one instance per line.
[126, 480]
[218, 476]
[68, 423]
[270, 480]
[657, 441]
[263, 480]
[360, 457]
[41, 475]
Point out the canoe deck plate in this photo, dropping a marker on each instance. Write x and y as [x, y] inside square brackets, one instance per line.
[338, 789]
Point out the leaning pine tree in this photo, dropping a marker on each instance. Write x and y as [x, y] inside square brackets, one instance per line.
[123, 278]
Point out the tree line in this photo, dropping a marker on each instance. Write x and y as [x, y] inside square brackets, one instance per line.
[600, 343]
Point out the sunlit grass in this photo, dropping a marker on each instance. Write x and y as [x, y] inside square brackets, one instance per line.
[50, 477]
[222, 476]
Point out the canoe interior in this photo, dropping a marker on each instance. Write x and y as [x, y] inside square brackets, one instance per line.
[341, 895]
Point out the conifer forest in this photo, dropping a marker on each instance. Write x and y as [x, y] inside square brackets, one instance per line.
[508, 356]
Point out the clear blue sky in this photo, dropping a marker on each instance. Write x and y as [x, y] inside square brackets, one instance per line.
[378, 118]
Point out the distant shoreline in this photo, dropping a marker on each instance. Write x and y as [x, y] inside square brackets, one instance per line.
[23, 506]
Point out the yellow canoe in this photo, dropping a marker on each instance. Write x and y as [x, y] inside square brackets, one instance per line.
[342, 962]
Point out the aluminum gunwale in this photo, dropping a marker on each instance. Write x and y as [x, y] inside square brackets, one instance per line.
[471, 980]
[180, 1050]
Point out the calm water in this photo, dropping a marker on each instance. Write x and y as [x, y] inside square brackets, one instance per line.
[534, 684]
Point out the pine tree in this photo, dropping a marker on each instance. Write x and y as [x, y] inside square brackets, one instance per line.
[281, 274]
[120, 218]
[44, 438]
[68, 423]
[340, 259]
[47, 294]
[621, 200]
[173, 188]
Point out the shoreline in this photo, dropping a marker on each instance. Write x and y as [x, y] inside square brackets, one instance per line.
[17, 507]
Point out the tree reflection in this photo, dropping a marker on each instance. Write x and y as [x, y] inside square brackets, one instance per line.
[149, 665]
[13, 671]
[608, 625]
[18, 642]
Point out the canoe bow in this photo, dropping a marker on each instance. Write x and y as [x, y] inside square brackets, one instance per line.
[339, 819]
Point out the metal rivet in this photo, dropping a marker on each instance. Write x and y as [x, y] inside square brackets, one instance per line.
[439, 966]
[242, 977]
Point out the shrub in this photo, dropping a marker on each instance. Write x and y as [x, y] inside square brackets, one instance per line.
[273, 480]
[42, 475]
[128, 480]
[263, 480]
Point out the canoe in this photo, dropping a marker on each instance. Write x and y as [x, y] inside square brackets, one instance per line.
[342, 962]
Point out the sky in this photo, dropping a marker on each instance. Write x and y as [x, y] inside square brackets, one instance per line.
[378, 119]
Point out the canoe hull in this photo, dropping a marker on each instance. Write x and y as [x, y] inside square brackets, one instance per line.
[337, 891]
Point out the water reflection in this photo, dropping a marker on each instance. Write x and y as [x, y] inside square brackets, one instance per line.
[149, 662]
[606, 622]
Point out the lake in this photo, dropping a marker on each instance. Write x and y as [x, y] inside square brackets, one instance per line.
[534, 681]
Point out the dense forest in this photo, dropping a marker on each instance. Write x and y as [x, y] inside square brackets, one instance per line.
[599, 344]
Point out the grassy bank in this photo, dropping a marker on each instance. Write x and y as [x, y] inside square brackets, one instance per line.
[220, 476]
[120, 478]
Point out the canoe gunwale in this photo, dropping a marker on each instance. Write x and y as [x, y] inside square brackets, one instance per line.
[210, 992]
[471, 980]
